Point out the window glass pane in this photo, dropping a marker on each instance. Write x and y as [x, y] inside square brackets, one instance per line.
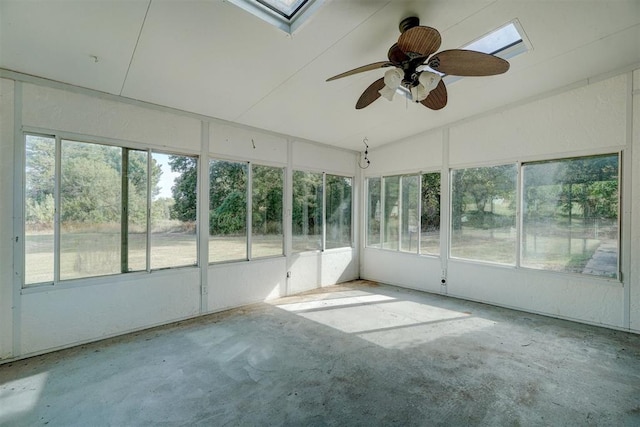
[173, 211]
[266, 220]
[570, 220]
[338, 211]
[90, 210]
[410, 186]
[373, 212]
[430, 216]
[39, 208]
[391, 211]
[483, 214]
[307, 211]
[136, 199]
[227, 211]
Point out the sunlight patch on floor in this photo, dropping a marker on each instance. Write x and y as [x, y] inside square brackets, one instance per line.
[21, 395]
[387, 321]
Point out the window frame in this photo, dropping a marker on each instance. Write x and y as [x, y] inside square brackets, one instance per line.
[367, 213]
[619, 220]
[287, 23]
[21, 199]
[249, 208]
[323, 235]
[517, 215]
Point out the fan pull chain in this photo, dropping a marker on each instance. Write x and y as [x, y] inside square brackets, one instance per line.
[366, 154]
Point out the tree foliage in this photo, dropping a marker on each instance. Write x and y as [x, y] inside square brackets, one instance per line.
[91, 182]
[184, 189]
[586, 186]
[268, 187]
[475, 188]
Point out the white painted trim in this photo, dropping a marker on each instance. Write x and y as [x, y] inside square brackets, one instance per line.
[18, 218]
[445, 210]
[202, 222]
[626, 194]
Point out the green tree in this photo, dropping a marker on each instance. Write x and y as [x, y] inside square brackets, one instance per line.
[227, 197]
[267, 186]
[307, 203]
[591, 183]
[430, 219]
[87, 170]
[184, 190]
[479, 187]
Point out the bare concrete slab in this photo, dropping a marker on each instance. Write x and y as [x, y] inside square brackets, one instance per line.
[357, 354]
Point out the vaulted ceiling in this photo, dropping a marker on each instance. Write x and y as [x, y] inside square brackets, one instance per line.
[215, 59]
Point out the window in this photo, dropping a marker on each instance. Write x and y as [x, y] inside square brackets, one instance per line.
[570, 215]
[430, 214]
[373, 212]
[338, 211]
[227, 210]
[90, 210]
[228, 206]
[411, 213]
[174, 214]
[267, 236]
[391, 192]
[321, 215]
[40, 165]
[307, 211]
[287, 15]
[483, 214]
[505, 42]
[101, 193]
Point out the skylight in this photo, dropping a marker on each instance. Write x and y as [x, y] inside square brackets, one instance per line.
[505, 42]
[285, 8]
[287, 15]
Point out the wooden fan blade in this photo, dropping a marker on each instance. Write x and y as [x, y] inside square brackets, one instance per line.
[369, 67]
[437, 98]
[419, 41]
[459, 62]
[370, 94]
[396, 55]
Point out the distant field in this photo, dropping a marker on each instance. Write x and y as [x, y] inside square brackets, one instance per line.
[98, 254]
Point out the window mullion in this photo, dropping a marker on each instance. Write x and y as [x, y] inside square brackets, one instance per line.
[419, 227]
[383, 219]
[400, 214]
[56, 214]
[324, 212]
[249, 205]
[149, 188]
[124, 221]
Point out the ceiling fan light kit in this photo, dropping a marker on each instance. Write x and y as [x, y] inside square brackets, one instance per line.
[418, 70]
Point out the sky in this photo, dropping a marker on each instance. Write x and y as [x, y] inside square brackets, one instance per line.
[167, 178]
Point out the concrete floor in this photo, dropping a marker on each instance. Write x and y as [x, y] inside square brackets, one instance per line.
[357, 354]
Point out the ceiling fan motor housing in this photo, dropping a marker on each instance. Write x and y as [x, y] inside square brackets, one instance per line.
[407, 23]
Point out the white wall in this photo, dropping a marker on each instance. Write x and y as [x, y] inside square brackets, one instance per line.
[44, 318]
[634, 276]
[6, 217]
[590, 118]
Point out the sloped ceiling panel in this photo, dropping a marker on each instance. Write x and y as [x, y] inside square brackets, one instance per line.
[60, 40]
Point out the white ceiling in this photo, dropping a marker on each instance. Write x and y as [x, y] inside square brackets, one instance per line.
[213, 58]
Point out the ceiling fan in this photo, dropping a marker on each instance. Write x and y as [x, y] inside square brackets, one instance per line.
[414, 64]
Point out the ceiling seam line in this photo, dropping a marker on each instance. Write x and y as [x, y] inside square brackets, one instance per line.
[135, 48]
